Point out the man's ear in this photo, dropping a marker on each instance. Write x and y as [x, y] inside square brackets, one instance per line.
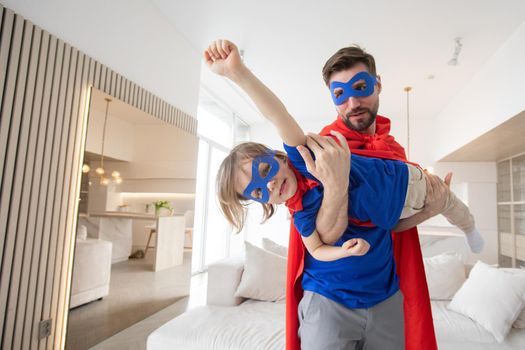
[379, 86]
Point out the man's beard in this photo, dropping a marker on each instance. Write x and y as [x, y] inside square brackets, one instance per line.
[363, 123]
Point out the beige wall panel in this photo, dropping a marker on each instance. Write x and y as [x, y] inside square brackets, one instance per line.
[27, 140]
[36, 139]
[9, 142]
[20, 133]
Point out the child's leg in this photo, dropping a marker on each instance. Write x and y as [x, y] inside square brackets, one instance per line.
[458, 214]
[416, 192]
[455, 211]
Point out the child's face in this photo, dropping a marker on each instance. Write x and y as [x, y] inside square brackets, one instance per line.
[281, 187]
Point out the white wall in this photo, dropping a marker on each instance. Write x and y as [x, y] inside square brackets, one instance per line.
[132, 37]
[163, 151]
[494, 95]
[119, 139]
[474, 183]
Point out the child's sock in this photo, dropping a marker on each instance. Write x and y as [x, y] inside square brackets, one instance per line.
[475, 241]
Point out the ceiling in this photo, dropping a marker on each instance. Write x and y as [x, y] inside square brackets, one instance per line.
[504, 141]
[286, 43]
[121, 109]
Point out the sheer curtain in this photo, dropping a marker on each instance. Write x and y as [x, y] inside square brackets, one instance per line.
[214, 239]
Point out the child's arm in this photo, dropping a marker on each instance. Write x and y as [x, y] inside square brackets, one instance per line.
[223, 58]
[323, 252]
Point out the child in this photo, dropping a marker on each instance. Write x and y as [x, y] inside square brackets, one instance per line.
[252, 171]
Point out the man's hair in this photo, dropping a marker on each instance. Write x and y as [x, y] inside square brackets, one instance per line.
[232, 204]
[346, 58]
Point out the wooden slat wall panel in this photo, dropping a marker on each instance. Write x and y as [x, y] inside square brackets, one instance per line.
[26, 140]
[37, 139]
[9, 142]
[18, 145]
[5, 46]
[44, 85]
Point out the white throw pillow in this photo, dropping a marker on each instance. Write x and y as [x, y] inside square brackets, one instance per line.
[445, 275]
[491, 297]
[264, 275]
[275, 248]
[520, 321]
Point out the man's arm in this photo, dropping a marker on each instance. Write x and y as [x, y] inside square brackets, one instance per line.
[437, 194]
[332, 168]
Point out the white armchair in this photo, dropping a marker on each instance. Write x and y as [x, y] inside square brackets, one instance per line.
[91, 271]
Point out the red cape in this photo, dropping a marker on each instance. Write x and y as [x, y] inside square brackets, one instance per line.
[419, 328]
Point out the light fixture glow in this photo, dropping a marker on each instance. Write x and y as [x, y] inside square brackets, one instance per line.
[85, 168]
[100, 170]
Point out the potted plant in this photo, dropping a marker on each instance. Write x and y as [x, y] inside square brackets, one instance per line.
[161, 204]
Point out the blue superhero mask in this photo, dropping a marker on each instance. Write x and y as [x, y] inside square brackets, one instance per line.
[264, 168]
[361, 85]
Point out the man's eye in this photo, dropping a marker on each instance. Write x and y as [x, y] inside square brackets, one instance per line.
[338, 92]
[360, 86]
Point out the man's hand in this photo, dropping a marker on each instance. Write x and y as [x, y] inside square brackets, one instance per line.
[438, 191]
[332, 159]
[223, 58]
[331, 167]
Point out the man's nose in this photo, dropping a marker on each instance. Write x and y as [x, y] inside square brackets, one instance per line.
[353, 102]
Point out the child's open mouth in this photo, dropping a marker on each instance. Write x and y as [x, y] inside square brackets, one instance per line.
[283, 187]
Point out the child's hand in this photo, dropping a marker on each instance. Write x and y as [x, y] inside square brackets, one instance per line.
[355, 247]
[223, 58]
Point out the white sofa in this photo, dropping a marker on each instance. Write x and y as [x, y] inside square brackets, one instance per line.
[91, 271]
[229, 322]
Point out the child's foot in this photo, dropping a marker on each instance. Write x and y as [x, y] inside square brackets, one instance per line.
[475, 241]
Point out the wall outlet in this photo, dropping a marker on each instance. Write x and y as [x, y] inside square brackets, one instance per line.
[44, 328]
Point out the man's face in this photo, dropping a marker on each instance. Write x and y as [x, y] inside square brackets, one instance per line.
[358, 113]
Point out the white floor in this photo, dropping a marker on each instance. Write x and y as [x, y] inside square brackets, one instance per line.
[134, 337]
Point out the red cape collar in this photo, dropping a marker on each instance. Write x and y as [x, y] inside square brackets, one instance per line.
[295, 203]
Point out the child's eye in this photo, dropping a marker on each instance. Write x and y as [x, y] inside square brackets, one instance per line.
[264, 169]
[257, 193]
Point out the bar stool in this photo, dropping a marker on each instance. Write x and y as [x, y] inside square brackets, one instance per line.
[152, 230]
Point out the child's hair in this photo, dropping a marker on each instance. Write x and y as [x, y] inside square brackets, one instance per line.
[232, 204]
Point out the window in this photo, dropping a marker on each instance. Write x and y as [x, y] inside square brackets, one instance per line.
[214, 239]
[511, 211]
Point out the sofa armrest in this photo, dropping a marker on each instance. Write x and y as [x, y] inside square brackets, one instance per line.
[223, 279]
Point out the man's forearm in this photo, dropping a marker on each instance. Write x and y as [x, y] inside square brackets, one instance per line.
[332, 218]
[412, 221]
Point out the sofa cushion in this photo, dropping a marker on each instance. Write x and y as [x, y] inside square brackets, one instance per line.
[264, 275]
[445, 275]
[520, 321]
[274, 247]
[492, 297]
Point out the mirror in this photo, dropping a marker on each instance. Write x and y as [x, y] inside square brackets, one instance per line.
[135, 218]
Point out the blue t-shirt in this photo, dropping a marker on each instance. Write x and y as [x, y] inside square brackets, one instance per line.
[377, 193]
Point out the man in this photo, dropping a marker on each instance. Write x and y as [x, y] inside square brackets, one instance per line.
[326, 320]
